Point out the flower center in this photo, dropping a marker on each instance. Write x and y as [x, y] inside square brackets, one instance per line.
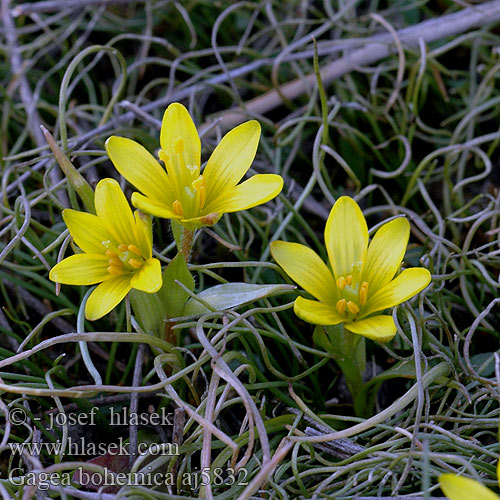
[124, 258]
[353, 296]
[189, 185]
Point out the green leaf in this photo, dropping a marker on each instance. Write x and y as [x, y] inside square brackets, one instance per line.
[77, 181]
[320, 338]
[484, 363]
[230, 296]
[177, 231]
[149, 311]
[172, 296]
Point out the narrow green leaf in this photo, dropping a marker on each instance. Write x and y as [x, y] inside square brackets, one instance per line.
[231, 295]
[81, 186]
[149, 312]
[172, 296]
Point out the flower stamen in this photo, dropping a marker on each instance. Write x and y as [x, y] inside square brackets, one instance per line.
[353, 307]
[200, 187]
[179, 146]
[177, 208]
[135, 263]
[122, 247]
[363, 293]
[132, 248]
[115, 261]
[117, 271]
[348, 279]
[341, 306]
[163, 156]
[341, 282]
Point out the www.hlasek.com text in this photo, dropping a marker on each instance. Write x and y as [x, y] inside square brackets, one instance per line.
[87, 448]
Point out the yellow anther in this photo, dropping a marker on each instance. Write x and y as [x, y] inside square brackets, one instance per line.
[199, 185]
[110, 253]
[353, 307]
[177, 208]
[179, 146]
[115, 261]
[341, 282]
[122, 247]
[135, 263]
[163, 156]
[115, 270]
[348, 279]
[341, 305]
[134, 249]
[363, 293]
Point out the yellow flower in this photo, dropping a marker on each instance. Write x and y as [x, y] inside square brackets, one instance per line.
[182, 192]
[361, 283]
[117, 251]
[463, 488]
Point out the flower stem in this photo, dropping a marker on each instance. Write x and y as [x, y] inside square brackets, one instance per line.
[348, 350]
[187, 244]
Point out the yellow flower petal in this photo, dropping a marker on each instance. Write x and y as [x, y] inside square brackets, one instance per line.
[385, 253]
[498, 472]
[381, 328]
[148, 278]
[178, 124]
[112, 207]
[87, 230]
[306, 268]
[406, 285]
[231, 159]
[346, 238]
[153, 207]
[463, 488]
[107, 296]
[144, 233]
[316, 312]
[139, 167]
[81, 269]
[254, 191]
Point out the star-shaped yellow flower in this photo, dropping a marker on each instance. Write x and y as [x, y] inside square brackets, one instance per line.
[117, 251]
[360, 283]
[463, 488]
[181, 192]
